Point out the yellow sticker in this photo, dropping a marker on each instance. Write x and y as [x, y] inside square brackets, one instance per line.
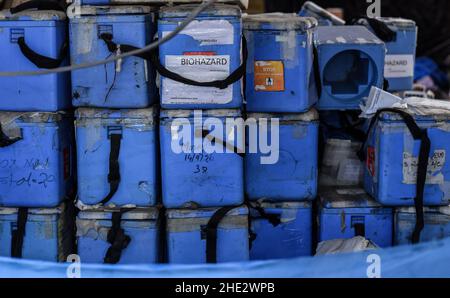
[269, 76]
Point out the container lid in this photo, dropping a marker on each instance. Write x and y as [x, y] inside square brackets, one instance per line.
[75, 11]
[32, 15]
[278, 21]
[346, 197]
[284, 205]
[397, 22]
[106, 214]
[215, 10]
[221, 113]
[33, 211]
[203, 213]
[93, 113]
[311, 115]
[388, 116]
[321, 12]
[442, 209]
[331, 35]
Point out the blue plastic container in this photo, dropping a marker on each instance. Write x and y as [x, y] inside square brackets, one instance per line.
[280, 75]
[36, 170]
[401, 53]
[47, 234]
[348, 212]
[208, 49]
[293, 176]
[127, 83]
[186, 236]
[141, 225]
[292, 238]
[44, 32]
[137, 163]
[324, 17]
[391, 163]
[437, 224]
[196, 169]
[350, 62]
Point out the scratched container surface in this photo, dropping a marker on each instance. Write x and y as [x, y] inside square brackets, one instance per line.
[290, 239]
[345, 213]
[289, 174]
[324, 17]
[49, 233]
[95, 130]
[401, 53]
[391, 166]
[201, 163]
[141, 225]
[44, 33]
[126, 83]
[280, 76]
[350, 62]
[186, 236]
[36, 170]
[437, 224]
[208, 49]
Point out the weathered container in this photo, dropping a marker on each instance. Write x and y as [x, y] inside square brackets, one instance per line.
[324, 17]
[98, 230]
[202, 165]
[392, 157]
[348, 212]
[187, 236]
[280, 74]
[436, 219]
[117, 161]
[209, 49]
[290, 238]
[293, 175]
[97, 33]
[36, 159]
[37, 234]
[24, 36]
[350, 61]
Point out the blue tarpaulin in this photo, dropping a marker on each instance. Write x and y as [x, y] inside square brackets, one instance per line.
[424, 260]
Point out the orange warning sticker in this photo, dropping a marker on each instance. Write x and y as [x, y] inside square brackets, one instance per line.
[269, 76]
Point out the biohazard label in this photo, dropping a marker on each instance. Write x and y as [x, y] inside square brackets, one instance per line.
[434, 170]
[269, 76]
[399, 66]
[370, 161]
[201, 67]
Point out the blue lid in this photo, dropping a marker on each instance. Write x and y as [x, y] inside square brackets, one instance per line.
[346, 197]
[38, 16]
[95, 113]
[311, 115]
[278, 21]
[332, 35]
[387, 116]
[215, 10]
[203, 213]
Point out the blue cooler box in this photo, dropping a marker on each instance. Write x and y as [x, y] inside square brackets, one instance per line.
[96, 230]
[23, 36]
[36, 159]
[201, 164]
[345, 213]
[48, 234]
[392, 156]
[187, 232]
[293, 176]
[127, 83]
[116, 157]
[280, 75]
[324, 17]
[291, 238]
[350, 62]
[437, 224]
[209, 49]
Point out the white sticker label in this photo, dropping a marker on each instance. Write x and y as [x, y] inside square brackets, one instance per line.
[202, 68]
[399, 66]
[434, 171]
[213, 32]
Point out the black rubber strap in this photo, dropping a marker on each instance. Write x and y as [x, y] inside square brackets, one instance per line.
[381, 30]
[274, 219]
[37, 5]
[114, 167]
[425, 148]
[124, 48]
[39, 60]
[18, 234]
[317, 76]
[221, 84]
[225, 144]
[360, 229]
[5, 140]
[117, 238]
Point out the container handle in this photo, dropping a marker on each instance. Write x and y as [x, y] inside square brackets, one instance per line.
[39, 60]
[6, 141]
[382, 31]
[117, 238]
[124, 48]
[425, 148]
[19, 233]
[37, 5]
